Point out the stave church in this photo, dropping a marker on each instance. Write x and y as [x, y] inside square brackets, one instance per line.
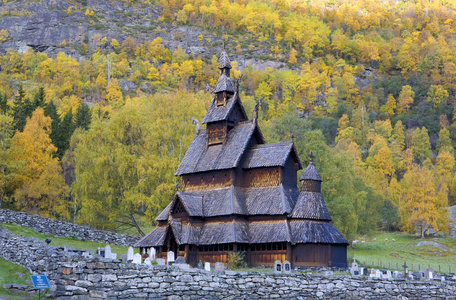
[240, 194]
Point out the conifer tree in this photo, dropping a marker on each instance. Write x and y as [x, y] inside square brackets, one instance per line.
[65, 131]
[22, 109]
[38, 100]
[3, 103]
[51, 111]
[83, 116]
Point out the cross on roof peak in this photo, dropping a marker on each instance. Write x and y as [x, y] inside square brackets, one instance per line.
[311, 156]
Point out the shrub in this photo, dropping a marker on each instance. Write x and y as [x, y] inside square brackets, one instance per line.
[236, 260]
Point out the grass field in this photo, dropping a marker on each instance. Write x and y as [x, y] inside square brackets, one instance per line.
[404, 249]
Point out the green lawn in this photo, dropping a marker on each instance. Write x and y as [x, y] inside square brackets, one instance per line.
[389, 253]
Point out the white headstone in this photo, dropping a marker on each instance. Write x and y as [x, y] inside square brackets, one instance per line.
[113, 255]
[160, 261]
[378, 274]
[147, 261]
[107, 251]
[169, 257]
[152, 253]
[207, 266]
[137, 258]
[387, 274]
[130, 253]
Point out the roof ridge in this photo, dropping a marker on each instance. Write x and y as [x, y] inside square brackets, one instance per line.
[272, 144]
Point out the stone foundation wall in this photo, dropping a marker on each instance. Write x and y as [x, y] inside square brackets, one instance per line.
[64, 229]
[75, 277]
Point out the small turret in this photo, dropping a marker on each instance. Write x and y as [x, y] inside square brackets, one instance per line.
[310, 179]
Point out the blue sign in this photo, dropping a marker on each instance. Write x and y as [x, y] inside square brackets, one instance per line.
[40, 282]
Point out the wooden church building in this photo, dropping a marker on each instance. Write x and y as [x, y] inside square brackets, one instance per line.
[240, 194]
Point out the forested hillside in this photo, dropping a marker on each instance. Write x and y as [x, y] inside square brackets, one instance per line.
[369, 86]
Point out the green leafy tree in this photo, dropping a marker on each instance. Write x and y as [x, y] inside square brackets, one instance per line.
[421, 145]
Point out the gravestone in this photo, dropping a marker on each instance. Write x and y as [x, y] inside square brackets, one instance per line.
[207, 266]
[152, 253]
[137, 258]
[170, 258]
[160, 261]
[422, 275]
[364, 271]
[130, 254]
[123, 257]
[200, 265]
[107, 251]
[386, 274]
[286, 267]
[219, 268]
[354, 270]
[147, 261]
[101, 251]
[378, 274]
[429, 274]
[397, 274]
[180, 260]
[277, 267]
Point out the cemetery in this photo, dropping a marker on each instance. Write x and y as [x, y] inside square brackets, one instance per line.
[103, 274]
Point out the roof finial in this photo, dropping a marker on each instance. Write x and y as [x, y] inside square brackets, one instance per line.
[292, 137]
[197, 124]
[223, 33]
[255, 111]
[311, 156]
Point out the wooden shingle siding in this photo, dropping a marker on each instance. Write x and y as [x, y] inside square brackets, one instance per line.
[207, 180]
[262, 177]
[216, 133]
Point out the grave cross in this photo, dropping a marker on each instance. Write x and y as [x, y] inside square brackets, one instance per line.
[405, 270]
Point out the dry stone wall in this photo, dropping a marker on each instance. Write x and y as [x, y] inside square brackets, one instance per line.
[77, 277]
[64, 229]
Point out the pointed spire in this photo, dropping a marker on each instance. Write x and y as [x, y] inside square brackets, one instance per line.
[224, 83]
[224, 61]
[311, 172]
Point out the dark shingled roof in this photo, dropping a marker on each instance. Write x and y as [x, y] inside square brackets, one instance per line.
[269, 232]
[201, 158]
[224, 61]
[270, 155]
[192, 203]
[224, 84]
[310, 205]
[315, 232]
[274, 200]
[311, 173]
[221, 113]
[163, 216]
[224, 232]
[154, 238]
[220, 202]
[186, 233]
